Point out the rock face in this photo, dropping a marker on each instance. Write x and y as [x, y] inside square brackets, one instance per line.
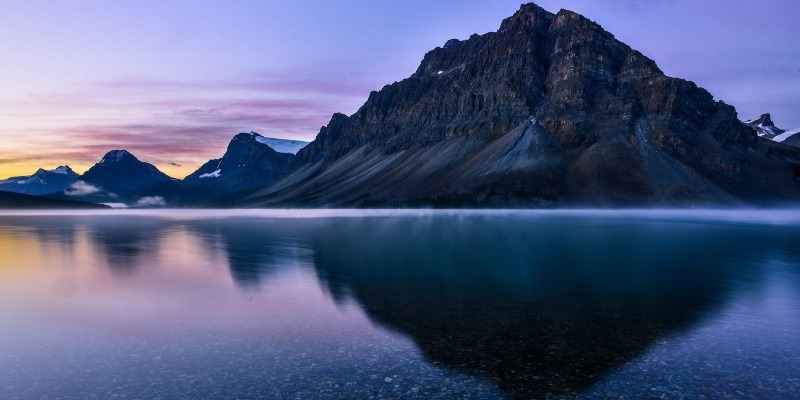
[41, 182]
[765, 128]
[120, 177]
[249, 162]
[550, 110]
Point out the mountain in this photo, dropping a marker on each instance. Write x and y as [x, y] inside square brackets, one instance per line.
[41, 182]
[549, 111]
[121, 178]
[791, 137]
[281, 145]
[764, 127]
[17, 201]
[251, 161]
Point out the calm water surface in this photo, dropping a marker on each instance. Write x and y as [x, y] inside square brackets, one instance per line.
[408, 304]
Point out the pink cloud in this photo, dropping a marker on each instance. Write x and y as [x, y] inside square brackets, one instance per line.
[168, 123]
[264, 82]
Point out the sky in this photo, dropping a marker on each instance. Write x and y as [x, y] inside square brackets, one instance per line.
[172, 81]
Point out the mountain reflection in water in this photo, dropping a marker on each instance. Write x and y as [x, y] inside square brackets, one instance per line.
[542, 306]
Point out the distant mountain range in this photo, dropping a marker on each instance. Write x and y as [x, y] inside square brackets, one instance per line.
[10, 200]
[41, 182]
[120, 179]
[549, 111]
[766, 128]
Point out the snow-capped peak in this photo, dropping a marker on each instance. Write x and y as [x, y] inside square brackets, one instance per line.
[282, 145]
[279, 145]
[114, 155]
[40, 182]
[64, 170]
[766, 130]
[764, 126]
[762, 120]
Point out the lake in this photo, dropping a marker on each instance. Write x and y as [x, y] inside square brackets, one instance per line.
[369, 304]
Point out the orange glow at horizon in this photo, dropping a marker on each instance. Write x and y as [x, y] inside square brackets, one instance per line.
[29, 167]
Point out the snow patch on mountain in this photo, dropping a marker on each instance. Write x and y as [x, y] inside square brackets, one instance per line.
[765, 130]
[214, 174]
[113, 156]
[786, 135]
[282, 145]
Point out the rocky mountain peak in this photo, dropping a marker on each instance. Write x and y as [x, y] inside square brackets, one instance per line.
[764, 127]
[763, 120]
[64, 169]
[452, 44]
[253, 141]
[243, 144]
[550, 109]
[114, 156]
[527, 16]
[250, 161]
[565, 17]
[243, 141]
[40, 182]
[120, 177]
[246, 136]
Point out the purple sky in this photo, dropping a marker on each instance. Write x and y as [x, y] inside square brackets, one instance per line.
[173, 81]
